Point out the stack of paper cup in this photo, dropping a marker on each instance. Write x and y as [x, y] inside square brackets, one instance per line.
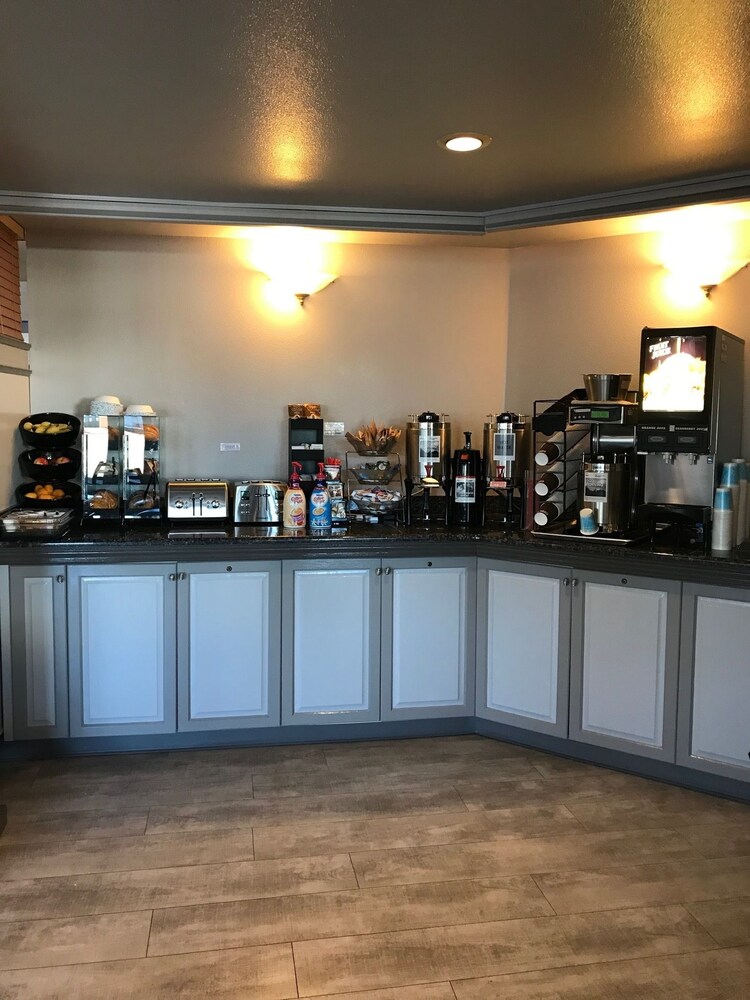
[722, 535]
[747, 521]
[730, 477]
[740, 529]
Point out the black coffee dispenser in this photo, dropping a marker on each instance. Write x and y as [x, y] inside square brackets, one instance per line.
[465, 507]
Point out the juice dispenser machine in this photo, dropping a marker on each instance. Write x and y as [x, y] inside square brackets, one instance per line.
[689, 417]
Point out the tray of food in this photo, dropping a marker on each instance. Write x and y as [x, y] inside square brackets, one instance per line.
[21, 521]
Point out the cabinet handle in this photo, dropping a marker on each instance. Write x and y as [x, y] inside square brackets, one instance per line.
[574, 581]
[566, 581]
[429, 564]
[387, 570]
[624, 580]
[172, 576]
[229, 569]
[378, 571]
[60, 578]
[182, 576]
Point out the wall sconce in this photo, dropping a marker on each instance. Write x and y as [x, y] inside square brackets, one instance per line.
[702, 247]
[293, 260]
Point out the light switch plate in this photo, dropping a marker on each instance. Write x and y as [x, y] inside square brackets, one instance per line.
[229, 446]
[332, 427]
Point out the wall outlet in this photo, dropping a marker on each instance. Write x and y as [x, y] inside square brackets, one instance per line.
[229, 446]
[332, 427]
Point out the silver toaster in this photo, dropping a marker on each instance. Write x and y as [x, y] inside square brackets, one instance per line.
[259, 502]
[204, 499]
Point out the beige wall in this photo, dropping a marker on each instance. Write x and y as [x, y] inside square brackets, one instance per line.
[580, 307]
[179, 323]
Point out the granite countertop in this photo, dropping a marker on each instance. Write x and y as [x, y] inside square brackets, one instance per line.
[101, 543]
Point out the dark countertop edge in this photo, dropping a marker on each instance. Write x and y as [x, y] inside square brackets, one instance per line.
[377, 542]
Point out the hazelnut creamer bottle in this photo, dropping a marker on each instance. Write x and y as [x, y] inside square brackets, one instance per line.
[295, 505]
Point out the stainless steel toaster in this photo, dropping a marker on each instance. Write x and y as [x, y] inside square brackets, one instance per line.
[206, 499]
[259, 502]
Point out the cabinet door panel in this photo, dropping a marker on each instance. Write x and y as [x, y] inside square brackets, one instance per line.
[122, 649]
[39, 660]
[331, 642]
[624, 663]
[523, 646]
[715, 696]
[229, 645]
[427, 639]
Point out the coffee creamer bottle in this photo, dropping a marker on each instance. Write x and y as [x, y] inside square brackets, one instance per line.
[320, 501]
[295, 507]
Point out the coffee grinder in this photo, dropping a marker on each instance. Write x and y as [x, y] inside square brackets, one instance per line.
[689, 419]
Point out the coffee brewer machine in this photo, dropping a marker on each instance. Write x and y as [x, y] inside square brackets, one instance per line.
[689, 417]
[609, 478]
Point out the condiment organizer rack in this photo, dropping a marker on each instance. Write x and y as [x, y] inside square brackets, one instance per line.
[357, 476]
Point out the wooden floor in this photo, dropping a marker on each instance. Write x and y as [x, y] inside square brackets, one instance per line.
[429, 869]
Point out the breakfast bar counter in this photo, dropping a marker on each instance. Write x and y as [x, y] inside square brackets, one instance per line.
[149, 638]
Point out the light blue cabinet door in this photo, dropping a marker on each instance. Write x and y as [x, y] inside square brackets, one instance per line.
[39, 671]
[229, 645]
[523, 645]
[714, 703]
[331, 641]
[428, 637]
[122, 649]
[624, 663]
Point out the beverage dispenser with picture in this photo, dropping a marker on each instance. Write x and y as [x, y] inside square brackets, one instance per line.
[506, 445]
[428, 453]
[689, 419]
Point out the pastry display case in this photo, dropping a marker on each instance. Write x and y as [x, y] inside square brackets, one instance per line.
[101, 467]
[141, 438]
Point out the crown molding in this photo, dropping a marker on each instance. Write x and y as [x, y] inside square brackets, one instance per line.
[719, 187]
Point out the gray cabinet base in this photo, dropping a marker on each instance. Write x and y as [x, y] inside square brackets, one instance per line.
[673, 774]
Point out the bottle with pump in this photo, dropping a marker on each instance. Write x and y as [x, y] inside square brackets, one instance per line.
[320, 501]
[295, 506]
[466, 506]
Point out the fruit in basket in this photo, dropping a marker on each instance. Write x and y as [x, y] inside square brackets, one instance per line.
[45, 491]
[46, 427]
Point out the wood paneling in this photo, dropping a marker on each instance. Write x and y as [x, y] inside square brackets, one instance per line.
[10, 287]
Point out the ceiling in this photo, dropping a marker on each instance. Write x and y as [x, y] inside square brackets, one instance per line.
[339, 103]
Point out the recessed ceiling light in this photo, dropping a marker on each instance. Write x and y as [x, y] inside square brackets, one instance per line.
[465, 142]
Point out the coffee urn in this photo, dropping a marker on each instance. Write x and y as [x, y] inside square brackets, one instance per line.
[428, 447]
[466, 488]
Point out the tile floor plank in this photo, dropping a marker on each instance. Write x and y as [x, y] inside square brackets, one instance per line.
[87, 824]
[711, 975]
[720, 840]
[333, 914]
[270, 812]
[609, 813]
[726, 920]
[29, 944]
[81, 857]
[300, 839]
[78, 895]
[245, 974]
[427, 991]
[645, 885]
[517, 856]
[406, 958]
